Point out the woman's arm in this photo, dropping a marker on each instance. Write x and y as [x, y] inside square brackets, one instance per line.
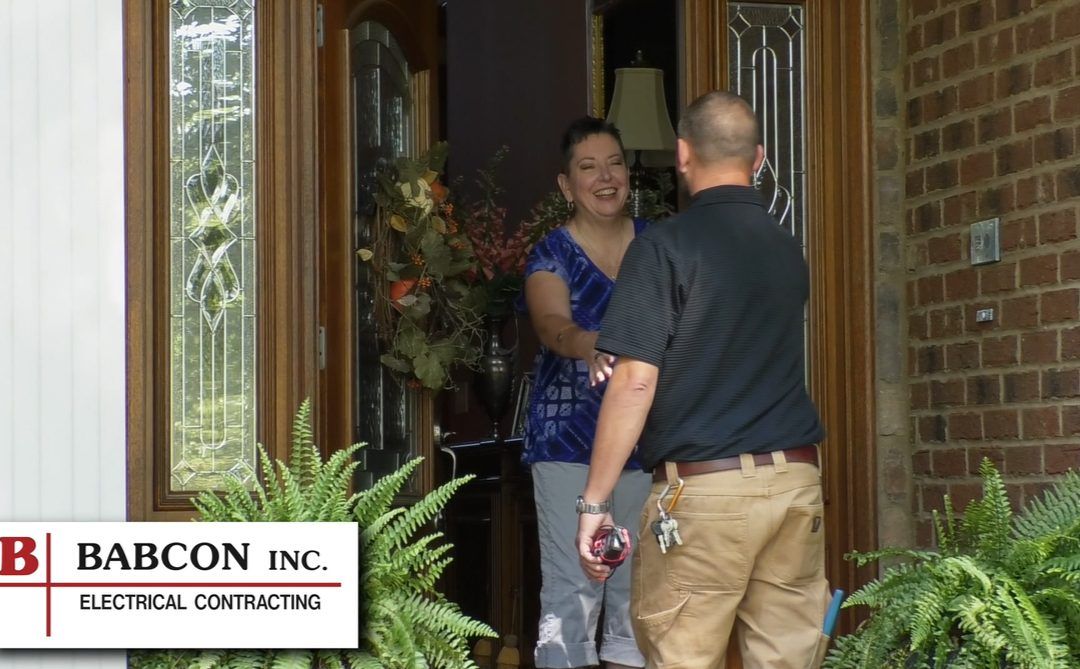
[548, 299]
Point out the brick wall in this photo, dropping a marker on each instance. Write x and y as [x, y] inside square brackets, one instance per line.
[992, 91]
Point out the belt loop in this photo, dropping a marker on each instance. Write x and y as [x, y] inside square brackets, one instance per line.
[817, 448]
[671, 470]
[749, 468]
[779, 461]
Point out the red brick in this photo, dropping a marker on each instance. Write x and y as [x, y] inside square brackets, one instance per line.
[939, 30]
[1034, 190]
[1067, 183]
[1001, 424]
[958, 60]
[926, 144]
[1015, 156]
[963, 494]
[1008, 9]
[1020, 312]
[1041, 422]
[976, 167]
[931, 429]
[1053, 69]
[963, 284]
[917, 326]
[915, 182]
[942, 175]
[920, 463]
[1070, 344]
[1034, 34]
[925, 71]
[924, 533]
[1059, 383]
[1067, 22]
[962, 356]
[1068, 104]
[1060, 305]
[1018, 234]
[1021, 387]
[944, 249]
[1070, 419]
[982, 390]
[963, 207]
[914, 39]
[965, 426]
[926, 217]
[947, 393]
[949, 462]
[995, 124]
[1021, 460]
[931, 290]
[1031, 113]
[976, 92]
[920, 396]
[1057, 226]
[1013, 80]
[931, 360]
[1000, 351]
[1054, 145]
[1038, 347]
[1039, 270]
[975, 16]
[921, 7]
[1060, 459]
[996, 200]
[947, 322]
[997, 278]
[976, 455]
[996, 48]
[933, 497]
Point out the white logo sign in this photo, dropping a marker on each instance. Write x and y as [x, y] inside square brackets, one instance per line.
[179, 585]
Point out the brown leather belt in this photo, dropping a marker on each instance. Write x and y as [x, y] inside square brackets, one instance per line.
[806, 454]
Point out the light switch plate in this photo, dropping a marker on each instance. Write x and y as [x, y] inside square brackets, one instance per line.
[985, 242]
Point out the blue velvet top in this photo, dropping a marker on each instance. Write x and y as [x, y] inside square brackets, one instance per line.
[563, 409]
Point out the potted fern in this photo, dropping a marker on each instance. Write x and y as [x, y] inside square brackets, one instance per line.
[1000, 591]
[407, 622]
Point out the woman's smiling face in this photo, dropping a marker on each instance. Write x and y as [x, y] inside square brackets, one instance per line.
[598, 182]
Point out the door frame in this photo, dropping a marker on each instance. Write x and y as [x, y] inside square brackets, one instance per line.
[840, 253]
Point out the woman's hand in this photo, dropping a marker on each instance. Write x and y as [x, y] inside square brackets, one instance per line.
[601, 366]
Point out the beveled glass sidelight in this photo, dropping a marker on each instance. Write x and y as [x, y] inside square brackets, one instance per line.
[766, 66]
[212, 243]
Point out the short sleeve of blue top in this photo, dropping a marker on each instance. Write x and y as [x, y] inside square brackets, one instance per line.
[563, 408]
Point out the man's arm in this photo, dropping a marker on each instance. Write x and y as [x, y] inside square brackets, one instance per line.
[625, 407]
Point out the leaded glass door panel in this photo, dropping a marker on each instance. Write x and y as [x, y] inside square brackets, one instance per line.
[377, 92]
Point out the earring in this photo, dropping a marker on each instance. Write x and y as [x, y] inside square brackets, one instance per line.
[570, 206]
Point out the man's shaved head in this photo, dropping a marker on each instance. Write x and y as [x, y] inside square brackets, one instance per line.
[720, 127]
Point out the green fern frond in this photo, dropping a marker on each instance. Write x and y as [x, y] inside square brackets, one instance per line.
[207, 659]
[292, 659]
[374, 501]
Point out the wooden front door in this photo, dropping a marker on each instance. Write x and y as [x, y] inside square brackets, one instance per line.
[800, 64]
[378, 83]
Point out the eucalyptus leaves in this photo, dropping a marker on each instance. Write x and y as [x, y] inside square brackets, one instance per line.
[428, 308]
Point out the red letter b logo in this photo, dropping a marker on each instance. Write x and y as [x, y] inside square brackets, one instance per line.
[15, 548]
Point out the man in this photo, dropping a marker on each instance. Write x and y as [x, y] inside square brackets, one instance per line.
[707, 324]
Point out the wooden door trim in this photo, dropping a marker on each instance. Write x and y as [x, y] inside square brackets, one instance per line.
[840, 253]
[286, 209]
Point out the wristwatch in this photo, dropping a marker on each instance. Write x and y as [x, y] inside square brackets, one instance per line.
[584, 507]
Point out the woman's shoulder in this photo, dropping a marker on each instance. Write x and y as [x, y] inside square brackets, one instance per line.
[555, 242]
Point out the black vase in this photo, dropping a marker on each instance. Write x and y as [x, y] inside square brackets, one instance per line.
[495, 378]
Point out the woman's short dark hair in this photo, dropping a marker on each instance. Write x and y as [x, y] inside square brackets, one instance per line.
[581, 129]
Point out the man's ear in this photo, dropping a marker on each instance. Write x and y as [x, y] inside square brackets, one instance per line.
[682, 155]
[759, 157]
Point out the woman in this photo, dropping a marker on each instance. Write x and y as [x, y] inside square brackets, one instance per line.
[569, 278]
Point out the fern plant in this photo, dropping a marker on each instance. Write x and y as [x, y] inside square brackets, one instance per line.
[1001, 591]
[408, 624]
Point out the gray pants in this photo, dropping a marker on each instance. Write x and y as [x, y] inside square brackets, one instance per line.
[569, 602]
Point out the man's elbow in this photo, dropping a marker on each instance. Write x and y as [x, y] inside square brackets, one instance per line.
[639, 378]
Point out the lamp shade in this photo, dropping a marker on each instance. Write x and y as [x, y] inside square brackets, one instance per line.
[639, 111]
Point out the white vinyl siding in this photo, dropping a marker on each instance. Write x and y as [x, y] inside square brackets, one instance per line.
[62, 389]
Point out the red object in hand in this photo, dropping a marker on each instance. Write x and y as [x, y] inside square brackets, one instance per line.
[612, 545]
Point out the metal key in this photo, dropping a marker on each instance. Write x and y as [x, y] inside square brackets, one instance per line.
[658, 529]
[671, 530]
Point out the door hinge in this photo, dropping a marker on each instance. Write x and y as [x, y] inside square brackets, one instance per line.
[321, 347]
[318, 25]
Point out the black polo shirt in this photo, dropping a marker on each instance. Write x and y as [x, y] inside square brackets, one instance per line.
[715, 298]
